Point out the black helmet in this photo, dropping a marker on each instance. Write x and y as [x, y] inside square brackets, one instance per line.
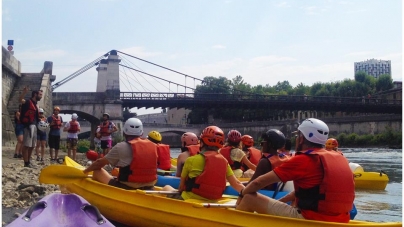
[275, 137]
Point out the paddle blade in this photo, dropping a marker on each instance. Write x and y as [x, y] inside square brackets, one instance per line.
[60, 174]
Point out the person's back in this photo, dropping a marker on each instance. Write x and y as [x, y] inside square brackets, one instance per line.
[204, 175]
[272, 140]
[189, 147]
[234, 155]
[253, 154]
[163, 150]
[136, 159]
[323, 181]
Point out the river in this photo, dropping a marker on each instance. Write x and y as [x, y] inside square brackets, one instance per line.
[374, 205]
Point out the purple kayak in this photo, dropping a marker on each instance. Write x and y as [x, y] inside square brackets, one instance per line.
[57, 210]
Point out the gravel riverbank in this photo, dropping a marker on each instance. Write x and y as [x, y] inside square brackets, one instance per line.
[20, 186]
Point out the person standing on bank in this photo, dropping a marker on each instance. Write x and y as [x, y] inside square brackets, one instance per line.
[55, 122]
[107, 127]
[29, 118]
[323, 182]
[41, 138]
[72, 128]
[19, 127]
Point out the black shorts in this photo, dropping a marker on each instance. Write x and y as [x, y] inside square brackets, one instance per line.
[114, 182]
[54, 142]
[106, 144]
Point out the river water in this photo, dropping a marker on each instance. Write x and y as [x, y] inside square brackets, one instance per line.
[374, 205]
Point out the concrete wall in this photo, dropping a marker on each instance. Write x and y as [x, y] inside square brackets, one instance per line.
[11, 72]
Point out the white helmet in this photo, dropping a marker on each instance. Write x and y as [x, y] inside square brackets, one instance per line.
[314, 130]
[40, 110]
[133, 127]
[42, 125]
[74, 116]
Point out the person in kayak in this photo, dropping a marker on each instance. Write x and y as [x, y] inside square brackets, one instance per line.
[204, 175]
[271, 141]
[323, 181]
[253, 154]
[163, 150]
[234, 155]
[285, 150]
[332, 145]
[135, 157]
[189, 147]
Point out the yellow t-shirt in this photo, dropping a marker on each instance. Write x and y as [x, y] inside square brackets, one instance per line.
[193, 167]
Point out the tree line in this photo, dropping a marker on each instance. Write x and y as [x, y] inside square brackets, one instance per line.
[363, 85]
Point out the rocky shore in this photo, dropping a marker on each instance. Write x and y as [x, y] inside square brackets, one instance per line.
[21, 187]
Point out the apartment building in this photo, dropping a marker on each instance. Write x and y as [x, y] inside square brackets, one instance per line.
[373, 67]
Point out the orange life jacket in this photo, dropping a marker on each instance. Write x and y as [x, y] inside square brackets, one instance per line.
[74, 127]
[193, 149]
[164, 159]
[225, 151]
[277, 161]
[29, 116]
[211, 183]
[332, 200]
[57, 122]
[255, 155]
[104, 128]
[143, 167]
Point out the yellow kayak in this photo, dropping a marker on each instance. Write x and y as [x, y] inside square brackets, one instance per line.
[137, 208]
[368, 180]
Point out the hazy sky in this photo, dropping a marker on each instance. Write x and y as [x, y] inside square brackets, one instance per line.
[264, 41]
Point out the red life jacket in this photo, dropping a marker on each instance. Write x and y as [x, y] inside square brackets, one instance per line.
[164, 157]
[57, 122]
[332, 200]
[193, 149]
[255, 155]
[104, 128]
[143, 167]
[29, 116]
[225, 151]
[74, 127]
[212, 181]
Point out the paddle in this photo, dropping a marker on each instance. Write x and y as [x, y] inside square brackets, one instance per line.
[61, 174]
[157, 192]
[214, 205]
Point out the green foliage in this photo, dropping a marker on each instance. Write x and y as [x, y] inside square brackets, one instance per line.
[117, 138]
[83, 143]
[384, 83]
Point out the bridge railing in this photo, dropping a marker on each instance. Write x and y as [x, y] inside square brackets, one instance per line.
[254, 97]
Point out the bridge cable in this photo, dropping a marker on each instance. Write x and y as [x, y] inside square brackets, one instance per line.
[203, 81]
[144, 78]
[80, 71]
[156, 77]
[138, 82]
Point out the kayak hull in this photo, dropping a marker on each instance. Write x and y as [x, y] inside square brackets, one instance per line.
[134, 208]
[57, 210]
[371, 180]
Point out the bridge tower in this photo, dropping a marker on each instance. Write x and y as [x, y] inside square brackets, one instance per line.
[108, 83]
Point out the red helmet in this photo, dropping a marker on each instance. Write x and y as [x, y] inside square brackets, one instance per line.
[213, 136]
[331, 144]
[91, 155]
[247, 140]
[189, 138]
[234, 136]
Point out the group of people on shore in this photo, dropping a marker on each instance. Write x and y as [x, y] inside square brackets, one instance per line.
[32, 129]
[323, 181]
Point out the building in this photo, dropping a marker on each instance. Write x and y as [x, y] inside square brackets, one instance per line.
[374, 67]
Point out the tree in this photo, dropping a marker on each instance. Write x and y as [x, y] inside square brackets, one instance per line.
[384, 83]
[360, 76]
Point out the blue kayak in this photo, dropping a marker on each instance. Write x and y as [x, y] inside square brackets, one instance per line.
[175, 182]
[57, 210]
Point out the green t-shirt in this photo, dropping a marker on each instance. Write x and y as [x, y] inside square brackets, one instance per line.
[193, 167]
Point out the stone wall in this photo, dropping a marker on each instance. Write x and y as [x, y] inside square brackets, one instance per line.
[11, 72]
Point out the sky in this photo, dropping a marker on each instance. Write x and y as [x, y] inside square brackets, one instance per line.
[264, 41]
